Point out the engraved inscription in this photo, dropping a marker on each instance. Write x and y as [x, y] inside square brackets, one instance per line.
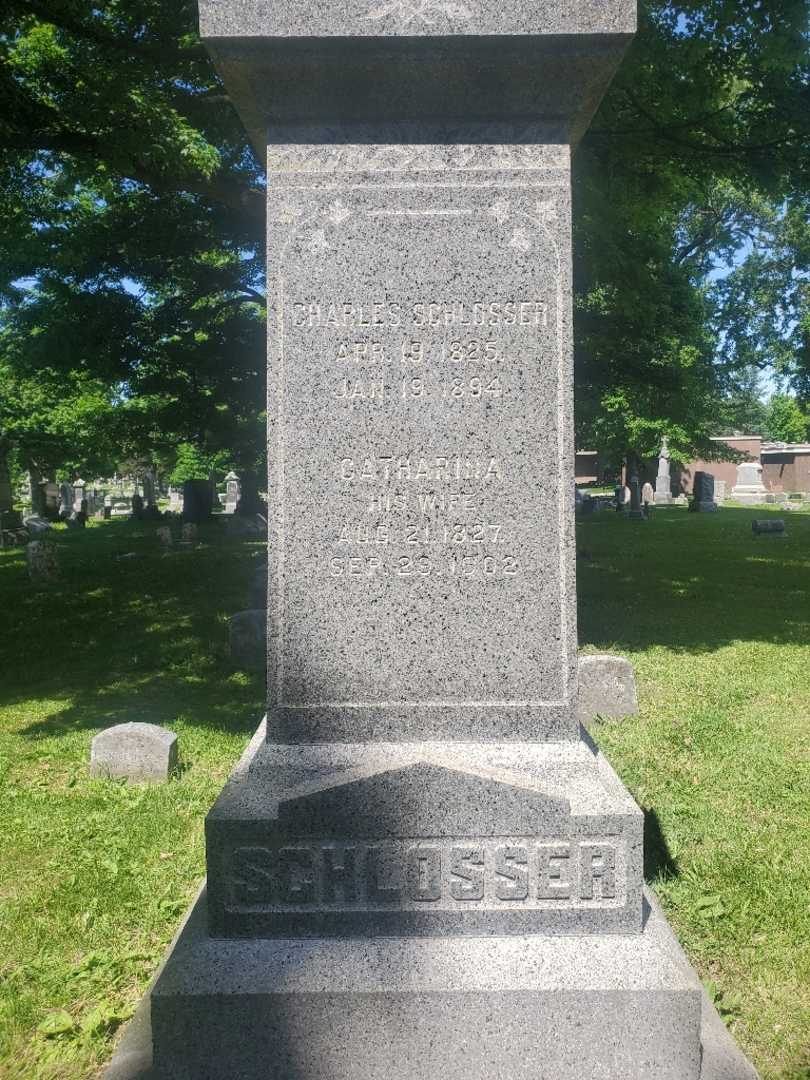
[432, 494]
[429, 875]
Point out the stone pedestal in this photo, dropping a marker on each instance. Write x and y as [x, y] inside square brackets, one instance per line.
[427, 870]
[663, 481]
[749, 488]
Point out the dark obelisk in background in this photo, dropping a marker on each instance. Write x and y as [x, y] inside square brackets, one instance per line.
[426, 870]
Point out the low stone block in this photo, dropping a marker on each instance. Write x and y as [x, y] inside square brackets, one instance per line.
[607, 688]
[43, 561]
[761, 527]
[463, 1008]
[38, 526]
[134, 751]
[247, 635]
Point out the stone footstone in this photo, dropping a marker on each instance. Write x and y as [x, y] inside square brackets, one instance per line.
[426, 870]
[765, 526]
[607, 688]
[42, 558]
[135, 752]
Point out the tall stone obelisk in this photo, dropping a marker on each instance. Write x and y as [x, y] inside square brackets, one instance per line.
[426, 871]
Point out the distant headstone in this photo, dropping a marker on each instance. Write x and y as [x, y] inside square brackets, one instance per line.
[663, 481]
[65, 500]
[137, 506]
[764, 526]
[50, 499]
[607, 688]
[618, 498]
[36, 525]
[76, 520]
[164, 535]
[749, 488]
[43, 561]
[134, 752]
[246, 526]
[703, 494]
[719, 492]
[197, 501]
[247, 635]
[189, 533]
[79, 503]
[233, 490]
[636, 509]
[647, 495]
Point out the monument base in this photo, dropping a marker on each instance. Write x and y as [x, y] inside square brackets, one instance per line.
[618, 1008]
[749, 497]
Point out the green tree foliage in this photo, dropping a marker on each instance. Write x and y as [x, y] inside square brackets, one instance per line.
[131, 221]
[193, 464]
[785, 420]
[699, 151]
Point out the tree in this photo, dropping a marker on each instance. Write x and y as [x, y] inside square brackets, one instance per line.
[699, 149]
[131, 222]
[785, 421]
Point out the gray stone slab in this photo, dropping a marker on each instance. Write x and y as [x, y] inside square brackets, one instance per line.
[429, 838]
[426, 61]
[607, 688]
[133, 1059]
[534, 1006]
[134, 751]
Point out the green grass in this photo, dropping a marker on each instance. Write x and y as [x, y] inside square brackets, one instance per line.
[717, 624]
[94, 875]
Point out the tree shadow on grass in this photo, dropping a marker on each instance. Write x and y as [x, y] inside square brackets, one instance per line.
[143, 637]
[692, 582]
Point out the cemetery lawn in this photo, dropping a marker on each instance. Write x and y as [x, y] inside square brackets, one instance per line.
[95, 875]
[717, 624]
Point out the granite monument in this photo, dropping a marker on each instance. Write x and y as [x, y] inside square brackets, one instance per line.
[427, 870]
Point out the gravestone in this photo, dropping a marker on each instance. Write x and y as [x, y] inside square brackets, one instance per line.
[232, 492]
[636, 509]
[42, 558]
[37, 525]
[134, 752]
[197, 501]
[647, 495]
[719, 492]
[768, 526]
[749, 488]
[663, 481]
[426, 871]
[137, 506]
[607, 688]
[66, 498]
[703, 494]
[50, 499]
